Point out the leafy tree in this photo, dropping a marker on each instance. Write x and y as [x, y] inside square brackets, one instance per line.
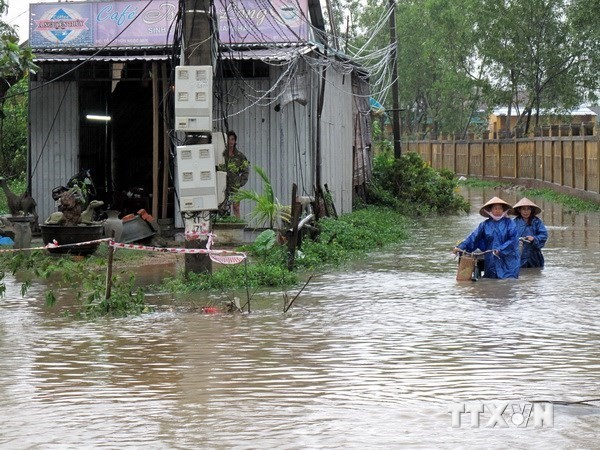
[15, 63]
[542, 53]
[13, 132]
[440, 76]
[456, 57]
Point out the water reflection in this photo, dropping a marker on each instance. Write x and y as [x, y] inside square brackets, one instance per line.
[368, 357]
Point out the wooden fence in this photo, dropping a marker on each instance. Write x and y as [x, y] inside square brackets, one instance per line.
[568, 162]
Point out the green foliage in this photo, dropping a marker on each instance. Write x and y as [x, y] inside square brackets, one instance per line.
[13, 133]
[267, 208]
[263, 245]
[232, 277]
[412, 186]
[18, 186]
[87, 276]
[15, 61]
[455, 56]
[124, 300]
[228, 219]
[339, 240]
[353, 234]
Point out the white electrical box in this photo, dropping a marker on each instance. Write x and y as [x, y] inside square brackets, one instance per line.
[219, 140]
[221, 186]
[197, 179]
[193, 98]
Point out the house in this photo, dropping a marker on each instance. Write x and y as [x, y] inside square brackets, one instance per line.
[499, 119]
[102, 100]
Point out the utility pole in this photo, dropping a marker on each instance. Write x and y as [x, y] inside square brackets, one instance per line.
[197, 41]
[335, 43]
[196, 36]
[395, 90]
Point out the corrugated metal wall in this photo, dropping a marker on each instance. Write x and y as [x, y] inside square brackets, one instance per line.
[283, 142]
[280, 140]
[336, 139]
[54, 140]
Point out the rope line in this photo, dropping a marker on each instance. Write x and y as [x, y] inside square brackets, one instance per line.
[218, 256]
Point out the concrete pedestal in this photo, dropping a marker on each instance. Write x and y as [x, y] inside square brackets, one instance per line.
[22, 228]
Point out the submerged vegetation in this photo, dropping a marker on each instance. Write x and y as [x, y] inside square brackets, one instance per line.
[338, 242]
[400, 189]
[574, 203]
[89, 275]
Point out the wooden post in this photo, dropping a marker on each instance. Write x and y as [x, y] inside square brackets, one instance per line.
[499, 165]
[562, 162]
[598, 164]
[395, 87]
[552, 150]
[295, 218]
[516, 171]
[468, 168]
[585, 174]
[430, 153]
[333, 210]
[166, 144]
[155, 139]
[572, 164]
[455, 151]
[483, 161]
[109, 267]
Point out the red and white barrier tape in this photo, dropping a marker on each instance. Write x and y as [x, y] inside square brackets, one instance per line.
[221, 256]
[54, 244]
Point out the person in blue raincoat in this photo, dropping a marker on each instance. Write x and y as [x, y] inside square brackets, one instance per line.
[532, 231]
[497, 233]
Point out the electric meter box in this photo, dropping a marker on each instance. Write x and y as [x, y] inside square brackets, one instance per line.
[219, 140]
[197, 178]
[193, 98]
[221, 186]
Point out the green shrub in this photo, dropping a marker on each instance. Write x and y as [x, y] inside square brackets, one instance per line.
[359, 232]
[411, 185]
[86, 275]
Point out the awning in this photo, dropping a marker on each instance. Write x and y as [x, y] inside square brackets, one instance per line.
[63, 57]
[268, 54]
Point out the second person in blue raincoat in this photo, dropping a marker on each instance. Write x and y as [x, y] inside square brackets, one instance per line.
[533, 232]
[497, 233]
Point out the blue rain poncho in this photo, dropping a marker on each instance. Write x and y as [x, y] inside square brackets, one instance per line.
[531, 253]
[500, 235]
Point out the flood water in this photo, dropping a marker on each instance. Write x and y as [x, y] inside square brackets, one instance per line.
[374, 356]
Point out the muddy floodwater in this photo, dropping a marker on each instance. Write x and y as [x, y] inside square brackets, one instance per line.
[374, 356]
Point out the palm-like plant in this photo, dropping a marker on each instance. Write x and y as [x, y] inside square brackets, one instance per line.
[267, 208]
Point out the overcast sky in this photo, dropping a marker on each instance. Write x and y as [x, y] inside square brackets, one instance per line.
[18, 15]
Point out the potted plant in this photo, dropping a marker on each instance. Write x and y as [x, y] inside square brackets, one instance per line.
[229, 229]
[267, 208]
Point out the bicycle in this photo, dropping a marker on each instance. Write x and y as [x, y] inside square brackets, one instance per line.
[471, 265]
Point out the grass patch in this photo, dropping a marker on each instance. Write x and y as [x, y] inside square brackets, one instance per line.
[339, 241]
[569, 201]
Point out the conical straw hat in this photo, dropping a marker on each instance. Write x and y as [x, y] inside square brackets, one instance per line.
[535, 209]
[494, 201]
